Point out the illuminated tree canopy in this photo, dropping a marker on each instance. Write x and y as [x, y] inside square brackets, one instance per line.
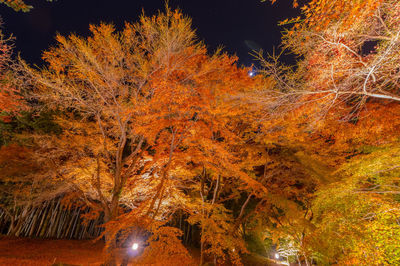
[159, 139]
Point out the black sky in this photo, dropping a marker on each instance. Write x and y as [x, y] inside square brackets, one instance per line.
[218, 22]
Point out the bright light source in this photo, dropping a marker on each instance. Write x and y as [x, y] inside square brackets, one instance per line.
[251, 73]
[135, 246]
[276, 255]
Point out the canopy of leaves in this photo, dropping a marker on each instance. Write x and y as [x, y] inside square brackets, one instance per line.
[358, 217]
[144, 123]
[143, 111]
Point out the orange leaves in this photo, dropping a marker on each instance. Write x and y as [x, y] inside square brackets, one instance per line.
[143, 110]
[319, 14]
[10, 98]
[349, 53]
[16, 162]
[165, 248]
[341, 101]
[10, 101]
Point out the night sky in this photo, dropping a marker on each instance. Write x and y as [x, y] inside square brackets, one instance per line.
[237, 25]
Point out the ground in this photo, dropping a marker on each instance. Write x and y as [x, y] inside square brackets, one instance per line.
[40, 252]
[17, 251]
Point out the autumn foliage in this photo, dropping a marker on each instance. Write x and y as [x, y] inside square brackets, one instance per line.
[143, 112]
[173, 144]
[10, 95]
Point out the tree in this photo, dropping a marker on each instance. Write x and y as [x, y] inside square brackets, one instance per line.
[343, 97]
[348, 51]
[141, 113]
[219, 237]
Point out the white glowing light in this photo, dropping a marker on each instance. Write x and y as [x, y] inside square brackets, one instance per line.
[135, 246]
[276, 255]
[251, 73]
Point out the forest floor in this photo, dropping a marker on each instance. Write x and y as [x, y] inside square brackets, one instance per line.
[41, 252]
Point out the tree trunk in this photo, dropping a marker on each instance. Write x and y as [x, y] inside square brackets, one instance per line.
[201, 248]
[110, 250]
[125, 261]
[110, 240]
[17, 220]
[306, 259]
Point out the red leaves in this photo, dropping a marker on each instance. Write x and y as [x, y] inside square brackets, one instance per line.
[10, 98]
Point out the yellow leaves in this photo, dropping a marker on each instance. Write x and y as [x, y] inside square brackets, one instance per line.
[364, 223]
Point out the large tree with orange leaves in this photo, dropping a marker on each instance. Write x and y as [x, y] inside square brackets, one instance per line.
[144, 111]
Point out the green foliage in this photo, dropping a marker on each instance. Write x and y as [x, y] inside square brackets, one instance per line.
[19, 5]
[20, 128]
[357, 218]
[257, 243]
